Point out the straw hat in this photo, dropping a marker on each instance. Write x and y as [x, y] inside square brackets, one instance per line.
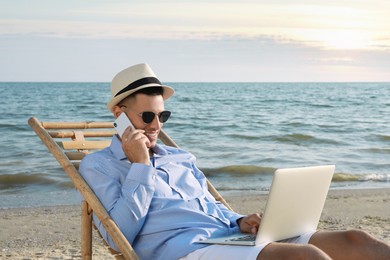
[133, 79]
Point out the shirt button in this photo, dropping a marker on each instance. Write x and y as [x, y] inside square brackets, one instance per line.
[153, 177]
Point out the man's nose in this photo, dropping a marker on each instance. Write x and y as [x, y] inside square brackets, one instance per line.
[155, 123]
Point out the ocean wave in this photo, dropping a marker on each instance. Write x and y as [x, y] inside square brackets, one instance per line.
[302, 138]
[239, 170]
[344, 177]
[12, 127]
[385, 138]
[8, 181]
[376, 150]
[244, 137]
[293, 138]
[222, 188]
[316, 105]
[295, 124]
[376, 177]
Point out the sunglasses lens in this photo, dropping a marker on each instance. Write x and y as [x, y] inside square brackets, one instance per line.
[148, 117]
[164, 116]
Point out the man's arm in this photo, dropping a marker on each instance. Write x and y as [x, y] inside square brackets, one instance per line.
[127, 201]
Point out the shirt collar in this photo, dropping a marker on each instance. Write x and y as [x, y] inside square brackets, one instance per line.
[116, 149]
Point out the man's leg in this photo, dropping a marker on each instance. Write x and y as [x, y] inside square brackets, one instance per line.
[352, 244]
[279, 251]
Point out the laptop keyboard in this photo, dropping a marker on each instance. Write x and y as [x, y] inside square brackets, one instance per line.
[244, 238]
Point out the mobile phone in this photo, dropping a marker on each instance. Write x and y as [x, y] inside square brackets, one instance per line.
[122, 123]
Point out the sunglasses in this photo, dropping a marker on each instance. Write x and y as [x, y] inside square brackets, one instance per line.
[148, 116]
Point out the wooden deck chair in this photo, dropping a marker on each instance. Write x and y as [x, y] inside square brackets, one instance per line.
[69, 142]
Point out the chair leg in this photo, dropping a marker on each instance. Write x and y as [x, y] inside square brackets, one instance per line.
[86, 231]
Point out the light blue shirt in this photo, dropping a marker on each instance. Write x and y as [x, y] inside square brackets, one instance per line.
[162, 209]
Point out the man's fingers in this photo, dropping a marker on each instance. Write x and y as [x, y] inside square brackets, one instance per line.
[250, 223]
[136, 135]
[126, 132]
[254, 230]
[130, 134]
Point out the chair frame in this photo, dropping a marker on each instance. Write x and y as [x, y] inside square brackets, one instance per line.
[69, 153]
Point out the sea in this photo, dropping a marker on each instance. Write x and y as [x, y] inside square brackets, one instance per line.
[239, 132]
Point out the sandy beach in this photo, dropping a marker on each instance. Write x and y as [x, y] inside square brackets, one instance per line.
[54, 232]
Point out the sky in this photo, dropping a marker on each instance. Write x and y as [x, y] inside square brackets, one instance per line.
[196, 40]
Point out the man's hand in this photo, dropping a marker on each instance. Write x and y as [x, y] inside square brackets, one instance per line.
[135, 145]
[250, 223]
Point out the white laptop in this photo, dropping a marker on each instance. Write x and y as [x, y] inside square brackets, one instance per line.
[295, 202]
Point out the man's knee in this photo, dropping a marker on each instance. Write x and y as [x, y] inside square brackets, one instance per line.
[357, 237]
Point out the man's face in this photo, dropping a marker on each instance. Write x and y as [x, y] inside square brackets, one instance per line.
[144, 103]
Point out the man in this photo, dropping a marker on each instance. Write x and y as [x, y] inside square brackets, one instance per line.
[159, 198]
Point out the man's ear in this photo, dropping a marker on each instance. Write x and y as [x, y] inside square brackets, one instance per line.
[116, 110]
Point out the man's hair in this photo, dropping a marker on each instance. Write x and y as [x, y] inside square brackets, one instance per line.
[152, 91]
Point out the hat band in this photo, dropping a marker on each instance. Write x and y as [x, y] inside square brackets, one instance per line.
[139, 83]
